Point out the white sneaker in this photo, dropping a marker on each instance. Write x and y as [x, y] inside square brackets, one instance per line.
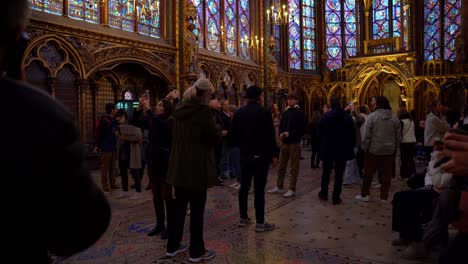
[136, 196]
[237, 187]
[376, 185]
[275, 190]
[121, 195]
[362, 199]
[385, 201]
[290, 193]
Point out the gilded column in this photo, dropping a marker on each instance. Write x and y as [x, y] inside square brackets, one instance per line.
[65, 8]
[104, 11]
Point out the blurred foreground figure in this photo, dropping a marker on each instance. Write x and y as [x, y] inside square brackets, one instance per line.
[50, 204]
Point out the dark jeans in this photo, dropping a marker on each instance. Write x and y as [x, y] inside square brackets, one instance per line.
[258, 170]
[412, 209]
[123, 168]
[407, 165]
[163, 202]
[197, 200]
[315, 159]
[326, 171]
[360, 161]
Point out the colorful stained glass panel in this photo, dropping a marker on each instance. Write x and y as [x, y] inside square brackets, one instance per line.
[244, 27]
[294, 35]
[213, 25]
[121, 14]
[333, 34]
[452, 27]
[231, 26]
[49, 6]
[149, 18]
[432, 26]
[86, 10]
[308, 35]
[381, 24]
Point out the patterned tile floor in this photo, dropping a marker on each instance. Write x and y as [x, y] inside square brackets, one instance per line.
[309, 231]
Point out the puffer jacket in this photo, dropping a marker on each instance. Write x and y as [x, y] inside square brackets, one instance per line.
[407, 131]
[382, 133]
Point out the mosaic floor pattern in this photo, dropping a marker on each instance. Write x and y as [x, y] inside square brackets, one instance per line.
[309, 231]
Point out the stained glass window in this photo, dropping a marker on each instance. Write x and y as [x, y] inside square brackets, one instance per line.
[212, 24]
[308, 34]
[121, 14]
[333, 34]
[87, 10]
[199, 22]
[231, 26]
[244, 26]
[432, 24]
[149, 18]
[436, 18]
[49, 6]
[294, 35]
[381, 25]
[341, 31]
[351, 27]
[452, 27]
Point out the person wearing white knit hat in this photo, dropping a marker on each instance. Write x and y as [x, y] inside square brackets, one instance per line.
[192, 167]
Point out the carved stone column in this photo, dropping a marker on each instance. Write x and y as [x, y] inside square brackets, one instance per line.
[83, 92]
[52, 82]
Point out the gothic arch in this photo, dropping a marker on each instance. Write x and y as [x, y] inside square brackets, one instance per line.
[141, 57]
[210, 73]
[42, 49]
[371, 70]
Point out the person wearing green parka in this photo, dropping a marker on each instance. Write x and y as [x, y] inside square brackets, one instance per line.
[192, 167]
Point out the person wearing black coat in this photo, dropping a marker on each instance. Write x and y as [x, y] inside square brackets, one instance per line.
[337, 137]
[254, 134]
[159, 149]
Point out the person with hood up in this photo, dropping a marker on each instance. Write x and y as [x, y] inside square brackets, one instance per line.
[381, 140]
[192, 167]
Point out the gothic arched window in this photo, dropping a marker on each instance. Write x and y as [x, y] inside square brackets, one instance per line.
[233, 25]
[302, 41]
[341, 31]
[442, 24]
[87, 10]
[49, 6]
[212, 24]
[244, 23]
[383, 13]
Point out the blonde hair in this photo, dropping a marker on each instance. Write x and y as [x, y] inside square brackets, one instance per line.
[14, 16]
[201, 86]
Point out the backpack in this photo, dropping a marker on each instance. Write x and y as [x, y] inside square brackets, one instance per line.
[98, 128]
